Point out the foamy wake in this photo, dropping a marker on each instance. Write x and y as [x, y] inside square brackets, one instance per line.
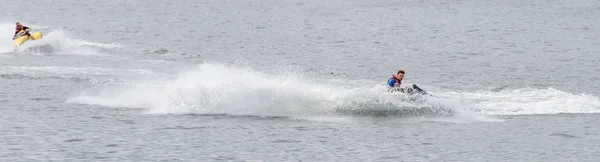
[526, 101]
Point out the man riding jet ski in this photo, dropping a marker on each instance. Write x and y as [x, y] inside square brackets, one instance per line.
[22, 35]
[19, 28]
[395, 85]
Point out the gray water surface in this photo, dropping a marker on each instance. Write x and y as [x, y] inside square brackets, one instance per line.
[264, 80]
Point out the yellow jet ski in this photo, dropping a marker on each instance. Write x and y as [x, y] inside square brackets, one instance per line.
[22, 38]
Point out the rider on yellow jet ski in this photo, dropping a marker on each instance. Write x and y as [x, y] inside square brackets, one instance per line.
[19, 28]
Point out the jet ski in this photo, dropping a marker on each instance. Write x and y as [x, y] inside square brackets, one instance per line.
[411, 90]
[22, 38]
[410, 93]
[416, 105]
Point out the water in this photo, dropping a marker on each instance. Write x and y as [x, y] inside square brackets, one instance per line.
[300, 81]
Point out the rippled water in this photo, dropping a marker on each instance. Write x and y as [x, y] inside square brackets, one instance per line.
[300, 81]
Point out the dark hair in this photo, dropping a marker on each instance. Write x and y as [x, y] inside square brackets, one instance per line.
[400, 71]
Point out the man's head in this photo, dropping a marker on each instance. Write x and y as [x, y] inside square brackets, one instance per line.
[400, 74]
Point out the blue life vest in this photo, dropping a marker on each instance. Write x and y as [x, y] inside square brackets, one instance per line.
[393, 80]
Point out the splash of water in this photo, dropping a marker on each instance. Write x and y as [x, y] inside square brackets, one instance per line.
[219, 89]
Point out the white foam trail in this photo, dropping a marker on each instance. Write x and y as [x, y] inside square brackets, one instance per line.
[81, 42]
[527, 101]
